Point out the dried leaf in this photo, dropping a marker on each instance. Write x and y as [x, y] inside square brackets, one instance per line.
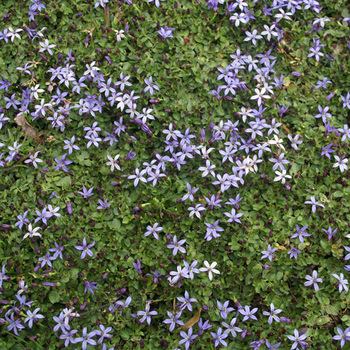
[280, 247]
[187, 39]
[190, 323]
[27, 129]
[286, 129]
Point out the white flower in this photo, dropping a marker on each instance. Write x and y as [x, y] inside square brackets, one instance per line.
[282, 176]
[283, 15]
[269, 31]
[46, 47]
[181, 272]
[91, 69]
[277, 142]
[196, 210]
[259, 95]
[14, 33]
[35, 91]
[341, 163]
[321, 21]
[210, 269]
[32, 232]
[206, 152]
[113, 162]
[119, 34]
[53, 211]
[33, 159]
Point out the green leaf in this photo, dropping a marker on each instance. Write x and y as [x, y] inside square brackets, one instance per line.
[115, 224]
[323, 320]
[338, 194]
[54, 297]
[64, 182]
[124, 334]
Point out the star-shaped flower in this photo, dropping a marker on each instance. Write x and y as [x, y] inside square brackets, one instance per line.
[113, 162]
[210, 269]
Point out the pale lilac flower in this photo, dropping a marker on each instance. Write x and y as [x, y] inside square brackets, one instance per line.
[196, 210]
[186, 301]
[85, 248]
[314, 204]
[224, 309]
[272, 314]
[247, 313]
[298, 339]
[177, 246]
[173, 320]
[33, 317]
[154, 230]
[313, 280]
[269, 253]
[146, 315]
[342, 282]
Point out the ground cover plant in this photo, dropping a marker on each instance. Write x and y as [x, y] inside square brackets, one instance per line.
[174, 174]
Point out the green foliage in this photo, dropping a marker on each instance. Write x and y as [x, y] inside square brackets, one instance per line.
[185, 68]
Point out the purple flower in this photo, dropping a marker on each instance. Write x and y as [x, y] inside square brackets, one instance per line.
[137, 267]
[191, 269]
[300, 233]
[233, 217]
[257, 344]
[68, 337]
[138, 176]
[33, 317]
[86, 193]
[270, 346]
[219, 337]
[224, 309]
[298, 339]
[103, 204]
[173, 320]
[342, 336]
[314, 204]
[155, 275]
[86, 338]
[130, 156]
[46, 260]
[313, 280]
[231, 328]
[146, 315]
[248, 314]
[57, 251]
[154, 230]
[85, 248]
[62, 163]
[150, 84]
[341, 282]
[272, 314]
[42, 216]
[166, 32]
[326, 151]
[190, 193]
[330, 232]
[3, 277]
[176, 246]
[14, 324]
[203, 326]
[22, 220]
[269, 253]
[294, 253]
[90, 286]
[187, 338]
[186, 301]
